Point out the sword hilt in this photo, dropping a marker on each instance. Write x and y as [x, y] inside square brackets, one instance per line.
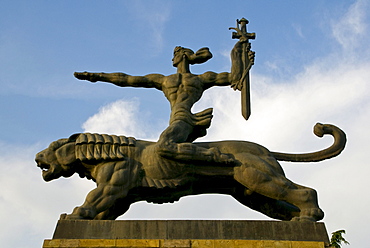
[241, 30]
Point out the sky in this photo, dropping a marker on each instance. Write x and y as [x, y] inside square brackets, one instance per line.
[312, 65]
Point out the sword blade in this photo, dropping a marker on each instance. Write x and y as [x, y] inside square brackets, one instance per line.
[245, 97]
[245, 94]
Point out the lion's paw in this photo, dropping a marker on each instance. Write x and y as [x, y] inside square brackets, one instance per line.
[82, 213]
[303, 219]
[310, 214]
[70, 217]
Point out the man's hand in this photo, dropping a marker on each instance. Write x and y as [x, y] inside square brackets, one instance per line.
[85, 76]
[243, 39]
[239, 84]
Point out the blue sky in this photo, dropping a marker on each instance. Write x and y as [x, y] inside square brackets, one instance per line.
[312, 65]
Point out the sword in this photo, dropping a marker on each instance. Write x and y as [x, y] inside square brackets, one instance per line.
[241, 31]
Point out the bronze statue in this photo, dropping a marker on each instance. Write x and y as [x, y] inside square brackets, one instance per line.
[127, 170]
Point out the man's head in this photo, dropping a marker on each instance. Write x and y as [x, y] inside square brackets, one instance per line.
[201, 56]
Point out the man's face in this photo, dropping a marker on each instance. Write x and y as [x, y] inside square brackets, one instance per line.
[179, 54]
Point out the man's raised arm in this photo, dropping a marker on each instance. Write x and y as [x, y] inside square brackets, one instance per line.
[238, 68]
[123, 80]
[234, 77]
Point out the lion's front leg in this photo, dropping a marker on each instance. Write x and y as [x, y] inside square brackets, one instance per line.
[112, 184]
[115, 211]
[97, 201]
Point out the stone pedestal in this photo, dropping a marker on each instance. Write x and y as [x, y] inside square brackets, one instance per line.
[188, 233]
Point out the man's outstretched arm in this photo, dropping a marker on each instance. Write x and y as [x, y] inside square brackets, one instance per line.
[122, 79]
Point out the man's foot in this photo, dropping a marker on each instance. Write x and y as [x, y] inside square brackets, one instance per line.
[192, 152]
[219, 157]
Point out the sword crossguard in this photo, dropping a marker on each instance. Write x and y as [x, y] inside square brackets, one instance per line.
[241, 30]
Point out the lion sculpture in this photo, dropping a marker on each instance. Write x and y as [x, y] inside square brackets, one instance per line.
[128, 170]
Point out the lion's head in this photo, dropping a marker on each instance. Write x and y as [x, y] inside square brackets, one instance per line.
[57, 160]
[64, 156]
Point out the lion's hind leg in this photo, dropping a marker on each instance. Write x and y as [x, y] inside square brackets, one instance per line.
[273, 208]
[308, 201]
[260, 176]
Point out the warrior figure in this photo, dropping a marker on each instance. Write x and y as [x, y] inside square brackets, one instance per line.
[183, 90]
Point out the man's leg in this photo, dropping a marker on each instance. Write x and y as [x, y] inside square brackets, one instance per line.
[171, 145]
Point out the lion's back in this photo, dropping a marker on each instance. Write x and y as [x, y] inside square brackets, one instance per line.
[237, 146]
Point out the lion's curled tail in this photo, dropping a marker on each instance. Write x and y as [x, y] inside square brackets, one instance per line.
[319, 130]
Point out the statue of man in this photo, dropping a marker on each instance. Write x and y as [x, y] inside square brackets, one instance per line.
[183, 90]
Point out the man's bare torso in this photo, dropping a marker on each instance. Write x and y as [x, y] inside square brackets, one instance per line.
[182, 90]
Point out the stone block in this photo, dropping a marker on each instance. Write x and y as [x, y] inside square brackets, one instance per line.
[178, 243]
[191, 229]
[188, 234]
[138, 243]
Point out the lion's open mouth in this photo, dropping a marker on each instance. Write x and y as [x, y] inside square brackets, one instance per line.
[43, 166]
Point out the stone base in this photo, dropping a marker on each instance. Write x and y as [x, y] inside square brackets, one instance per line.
[188, 233]
[179, 243]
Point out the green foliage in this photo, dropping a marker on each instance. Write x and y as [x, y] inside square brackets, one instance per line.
[337, 239]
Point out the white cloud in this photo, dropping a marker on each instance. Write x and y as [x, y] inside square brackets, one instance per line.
[298, 29]
[348, 30]
[124, 118]
[152, 18]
